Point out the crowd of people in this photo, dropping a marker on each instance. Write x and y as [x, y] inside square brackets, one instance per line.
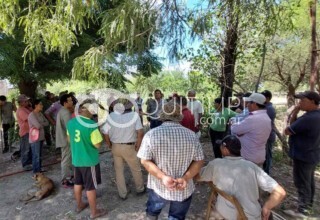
[242, 137]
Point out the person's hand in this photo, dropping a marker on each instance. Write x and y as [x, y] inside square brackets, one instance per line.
[169, 182]
[181, 184]
[265, 213]
[136, 147]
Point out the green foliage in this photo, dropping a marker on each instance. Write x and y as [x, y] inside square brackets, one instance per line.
[8, 15]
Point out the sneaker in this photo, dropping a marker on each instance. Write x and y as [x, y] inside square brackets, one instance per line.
[67, 184]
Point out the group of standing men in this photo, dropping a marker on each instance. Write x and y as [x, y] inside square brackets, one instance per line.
[172, 154]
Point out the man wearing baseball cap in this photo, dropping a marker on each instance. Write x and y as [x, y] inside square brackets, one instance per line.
[241, 179]
[22, 114]
[254, 130]
[304, 142]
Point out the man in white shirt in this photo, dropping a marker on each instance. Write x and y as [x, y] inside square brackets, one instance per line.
[196, 109]
[123, 133]
[241, 179]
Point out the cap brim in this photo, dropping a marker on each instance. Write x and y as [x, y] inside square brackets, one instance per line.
[247, 99]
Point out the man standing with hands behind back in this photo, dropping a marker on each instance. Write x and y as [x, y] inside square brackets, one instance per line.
[172, 155]
[304, 142]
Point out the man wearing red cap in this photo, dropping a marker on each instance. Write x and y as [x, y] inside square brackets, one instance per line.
[304, 142]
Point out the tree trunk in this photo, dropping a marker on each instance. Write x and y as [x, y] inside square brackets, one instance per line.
[28, 87]
[290, 95]
[314, 53]
[230, 54]
[262, 66]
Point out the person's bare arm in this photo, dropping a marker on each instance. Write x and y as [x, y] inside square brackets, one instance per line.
[107, 139]
[152, 168]
[139, 139]
[292, 118]
[50, 119]
[276, 196]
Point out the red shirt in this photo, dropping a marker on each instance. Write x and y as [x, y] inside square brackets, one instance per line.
[188, 120]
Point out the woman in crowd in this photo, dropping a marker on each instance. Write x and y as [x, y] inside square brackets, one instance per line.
[37, 122]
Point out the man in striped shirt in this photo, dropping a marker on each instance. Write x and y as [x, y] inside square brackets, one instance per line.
[172, 155]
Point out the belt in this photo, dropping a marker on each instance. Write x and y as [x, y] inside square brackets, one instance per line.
[130, 143]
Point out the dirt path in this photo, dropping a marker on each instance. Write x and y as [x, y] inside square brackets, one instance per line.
[61, 204]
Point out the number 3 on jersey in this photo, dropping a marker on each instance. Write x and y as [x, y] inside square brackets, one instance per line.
[77, 136]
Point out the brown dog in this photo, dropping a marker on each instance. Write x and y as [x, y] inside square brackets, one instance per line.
[45, 186]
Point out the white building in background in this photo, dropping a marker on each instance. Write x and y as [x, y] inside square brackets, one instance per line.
[4, 87]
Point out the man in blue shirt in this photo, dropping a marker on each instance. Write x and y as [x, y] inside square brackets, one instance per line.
[304, 142]
[272, 138]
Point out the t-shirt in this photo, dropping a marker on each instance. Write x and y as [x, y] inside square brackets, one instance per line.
[220, 119]
[37, 120]
[188, 120]
[64, 115]
[242, 179]
[122, 128]
[196, 108]
[305, 139]
[84, 134]
[22, 118]
[6, 112]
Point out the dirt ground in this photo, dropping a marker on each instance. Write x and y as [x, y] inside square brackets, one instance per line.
[14, 184]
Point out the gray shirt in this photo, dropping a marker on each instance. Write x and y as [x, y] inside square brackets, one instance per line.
[63, 116]
[7, 113]
[37, 120]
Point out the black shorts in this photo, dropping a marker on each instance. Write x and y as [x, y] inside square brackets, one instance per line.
[88, 177]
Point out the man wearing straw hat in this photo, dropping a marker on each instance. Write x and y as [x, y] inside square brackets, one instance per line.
[172, 155]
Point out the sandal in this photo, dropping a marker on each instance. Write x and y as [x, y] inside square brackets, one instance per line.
[85, 205]
[99, 213]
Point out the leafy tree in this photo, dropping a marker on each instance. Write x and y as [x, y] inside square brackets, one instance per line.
[55, 37]
[235, 29]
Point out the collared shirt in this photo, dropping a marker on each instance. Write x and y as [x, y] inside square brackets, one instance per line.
[122, 128]
[172, 148]
[253, 133]
[305, 139]
[196, 108]
[54, 109]
[242, 179]
[154, 108]
[22, 118]
[7, 113]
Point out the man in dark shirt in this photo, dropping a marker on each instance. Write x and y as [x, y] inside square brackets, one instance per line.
[304, 142]
[272, 138]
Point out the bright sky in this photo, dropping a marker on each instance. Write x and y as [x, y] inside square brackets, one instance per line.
[162, 51]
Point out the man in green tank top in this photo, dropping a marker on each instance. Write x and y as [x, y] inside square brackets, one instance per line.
[85, 139]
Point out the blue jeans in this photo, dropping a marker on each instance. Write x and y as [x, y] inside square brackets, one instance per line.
[36, 156]
[25, 150]
[268, 162]
[177, 211]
